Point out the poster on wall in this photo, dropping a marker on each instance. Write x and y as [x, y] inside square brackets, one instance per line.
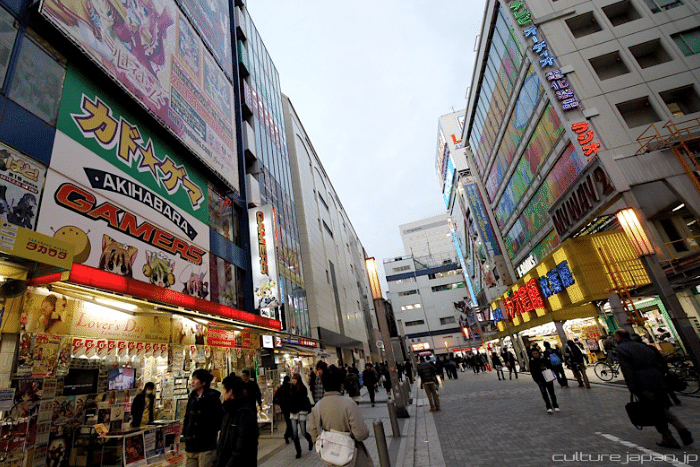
[211, 20]
[263, 259]
[118, 225]
[152, 51]
[21, 182]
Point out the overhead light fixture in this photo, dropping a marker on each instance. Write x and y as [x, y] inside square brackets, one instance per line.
[680, 206]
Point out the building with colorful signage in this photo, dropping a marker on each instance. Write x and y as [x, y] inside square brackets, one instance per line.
[578, 110]
[333, 257]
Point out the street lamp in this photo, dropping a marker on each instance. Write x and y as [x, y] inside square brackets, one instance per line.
[629, 220]
[371, 266]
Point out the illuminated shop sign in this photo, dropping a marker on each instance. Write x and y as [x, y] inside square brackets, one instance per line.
[556, 280]
[263, 259]
[420, 346]
[585, 139]
[557, 79]
[525, 299]
[300, 341]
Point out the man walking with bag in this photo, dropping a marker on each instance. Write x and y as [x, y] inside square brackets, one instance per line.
[643, 370]
[428, 378]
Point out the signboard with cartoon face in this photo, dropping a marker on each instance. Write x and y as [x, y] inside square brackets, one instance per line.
[21, 181]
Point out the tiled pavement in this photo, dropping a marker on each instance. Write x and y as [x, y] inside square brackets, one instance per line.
[487, 422]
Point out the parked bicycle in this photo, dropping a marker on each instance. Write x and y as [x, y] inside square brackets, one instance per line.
[685, 370]
[607, 370]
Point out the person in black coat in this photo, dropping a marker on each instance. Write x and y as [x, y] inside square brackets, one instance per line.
[575, 360]
[251, 391]
[238, 442]
[537, 365]
[370, 379]
[143, 403]
[202, 420]
[557, 361]
[299, 408]
[281, 398]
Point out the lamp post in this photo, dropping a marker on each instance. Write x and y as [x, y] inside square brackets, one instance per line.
[371, 266]
[629, 220]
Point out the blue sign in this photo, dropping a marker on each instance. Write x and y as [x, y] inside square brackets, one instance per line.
[556, 280]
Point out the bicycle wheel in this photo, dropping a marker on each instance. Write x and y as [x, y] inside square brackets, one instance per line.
[692, 380]
[603, 371]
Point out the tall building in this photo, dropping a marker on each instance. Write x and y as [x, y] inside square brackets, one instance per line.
[333, 257]
[575, 112]
[269, 177]
[424, 290]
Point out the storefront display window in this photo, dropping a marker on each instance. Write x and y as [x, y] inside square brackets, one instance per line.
[38, 79]
[224, 282]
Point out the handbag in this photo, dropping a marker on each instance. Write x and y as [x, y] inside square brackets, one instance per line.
[643, 413]
[549, 375]
[336, 448]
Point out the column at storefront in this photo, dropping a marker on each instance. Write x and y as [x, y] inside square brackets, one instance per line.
[557, 299]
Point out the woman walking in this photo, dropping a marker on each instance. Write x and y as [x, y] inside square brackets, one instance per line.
[538, 366]
[299, 408]
[497, 365]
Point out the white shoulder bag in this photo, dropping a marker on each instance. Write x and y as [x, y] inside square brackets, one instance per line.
[336, 448]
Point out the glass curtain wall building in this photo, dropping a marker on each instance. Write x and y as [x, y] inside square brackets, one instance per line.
[262, 110]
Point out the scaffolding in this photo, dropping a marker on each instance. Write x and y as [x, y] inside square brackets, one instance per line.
[682, 138]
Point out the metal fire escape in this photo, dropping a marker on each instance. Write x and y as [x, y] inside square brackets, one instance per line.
[682, 138]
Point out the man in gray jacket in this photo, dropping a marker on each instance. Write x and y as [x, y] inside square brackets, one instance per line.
[428, 378]
[643, 370]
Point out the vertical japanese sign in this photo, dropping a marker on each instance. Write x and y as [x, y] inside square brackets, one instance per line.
[476, 202]
[264, 263]
[151, 50]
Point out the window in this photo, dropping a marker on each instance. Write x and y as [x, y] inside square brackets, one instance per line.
[225, 279]
[403, 281]
[220, 214]
[402, 268]
[38, 78]
[438, 275]
[448, 320]
[415, 323]
[407, 292]
[8, 32]
[609, 66]
[650, 53]
[688, 41]
[675, 238]
[328, 229]
[454, 285]
[323, 201]
[638, 112]
[410, 307]
[658, 5]
[621, 12]
[682, 101]
[583, 25]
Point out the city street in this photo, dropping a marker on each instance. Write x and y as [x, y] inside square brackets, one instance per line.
[487, 422]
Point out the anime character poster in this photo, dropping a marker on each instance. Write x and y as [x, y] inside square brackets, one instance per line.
[151, 49]
[134, 450]
[211, 19]
[263, 257]
[27, 397]
[21, 181]
[46, 313]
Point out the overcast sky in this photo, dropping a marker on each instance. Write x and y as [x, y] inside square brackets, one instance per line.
[369, 80]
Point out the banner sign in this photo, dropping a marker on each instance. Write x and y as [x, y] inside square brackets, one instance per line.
[25, 243]
[151, 50]
[21, 181]
[264, 262]
[116, 224]
[212, 21]
[476, 202]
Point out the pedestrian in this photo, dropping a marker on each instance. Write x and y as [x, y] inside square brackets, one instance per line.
[429, 382]
[281, 398]
[439, 368]
[338, 413]
[399, 371]
[370, 380]
[498, 366]
[299, 408]
[386, 379]
[251, 391]
[575, 361]
[408, 367]
[557, 361]
[238, 442]
[476, 363]
[202, 420]
[643, 371]
[352, 385]
[317, 385]
[538, 364]
[509, 361]
[143, 406]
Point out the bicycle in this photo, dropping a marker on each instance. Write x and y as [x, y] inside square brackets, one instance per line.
[688, 373]
[606, 370]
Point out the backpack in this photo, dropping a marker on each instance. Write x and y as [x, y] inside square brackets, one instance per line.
[554, 359]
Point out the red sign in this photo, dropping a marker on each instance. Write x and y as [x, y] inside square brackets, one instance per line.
[524, 300]
[585, 139]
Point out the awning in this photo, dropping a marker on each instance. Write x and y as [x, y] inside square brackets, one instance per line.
[303, 351]
[334, 339]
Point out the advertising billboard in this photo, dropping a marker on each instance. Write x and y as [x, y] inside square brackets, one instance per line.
[212, 21]
[152, 51]
[21, 182]
[263, 260]
[476, 202]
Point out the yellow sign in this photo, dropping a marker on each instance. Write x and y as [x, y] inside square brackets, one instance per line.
[27, 244]
[579, 271]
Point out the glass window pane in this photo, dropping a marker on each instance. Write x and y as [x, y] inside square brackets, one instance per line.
[8, 32]
[38, 81]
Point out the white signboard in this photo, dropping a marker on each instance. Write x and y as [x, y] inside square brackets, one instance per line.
[264, 262]
[118, 225]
